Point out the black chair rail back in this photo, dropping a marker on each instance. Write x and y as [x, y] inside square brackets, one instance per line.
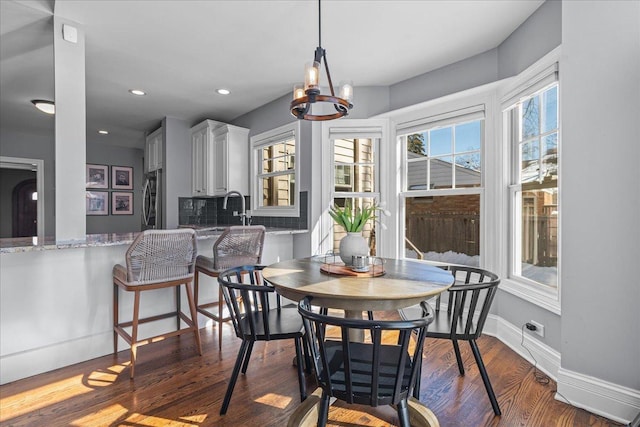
[370, 373]
[469, 301]
[245, 292]
[247, 296]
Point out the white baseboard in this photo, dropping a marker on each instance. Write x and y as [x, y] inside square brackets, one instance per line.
[615, 402]
[618, 403]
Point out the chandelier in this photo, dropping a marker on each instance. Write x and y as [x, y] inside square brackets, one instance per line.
[304, 96]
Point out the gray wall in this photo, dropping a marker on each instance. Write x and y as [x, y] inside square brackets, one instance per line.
[177, 165]
[117, 156]
[537, 36]
[600, 232]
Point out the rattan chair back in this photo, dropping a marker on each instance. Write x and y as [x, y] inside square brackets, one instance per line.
[161, 255]
[237, 246]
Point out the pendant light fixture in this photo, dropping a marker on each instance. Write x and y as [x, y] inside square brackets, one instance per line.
[304, 96]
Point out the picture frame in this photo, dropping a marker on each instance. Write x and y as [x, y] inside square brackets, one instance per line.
[121, 203]
[97, 176]
[97, 203]
[121, 178]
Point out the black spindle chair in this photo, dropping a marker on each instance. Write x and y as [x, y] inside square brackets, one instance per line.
[247, 297]
[469, 301]
[371, 373]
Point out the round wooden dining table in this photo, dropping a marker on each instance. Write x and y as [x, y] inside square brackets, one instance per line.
[402, 284]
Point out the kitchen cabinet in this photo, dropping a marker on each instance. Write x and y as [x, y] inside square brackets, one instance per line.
[220, 159]
[153, 151]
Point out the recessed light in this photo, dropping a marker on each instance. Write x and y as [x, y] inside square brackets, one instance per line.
[103, 132]
[223, 91]
[44, 106]
[137, 92]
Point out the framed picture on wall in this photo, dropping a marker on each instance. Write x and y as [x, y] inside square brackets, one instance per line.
[121, 203]
[121, 178]
[97, 176]
[97, 203]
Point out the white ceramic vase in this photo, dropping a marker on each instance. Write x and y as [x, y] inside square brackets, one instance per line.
[353, 244]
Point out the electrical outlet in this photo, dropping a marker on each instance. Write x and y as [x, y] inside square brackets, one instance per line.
[539, 328]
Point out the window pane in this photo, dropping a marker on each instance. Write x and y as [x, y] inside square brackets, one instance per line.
[468, 137]
[468, 170]
[417, 173]
[530, 155]
[441, 141]
[550, 157]
[417, 144]
[550, 103]
[443, 228]
[441, 172]
[530, 118]
[539, 239]
[278, 190]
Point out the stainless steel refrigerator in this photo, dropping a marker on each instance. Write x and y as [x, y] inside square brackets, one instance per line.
[151, 201]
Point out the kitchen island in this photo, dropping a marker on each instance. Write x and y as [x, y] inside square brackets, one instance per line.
[56, 301]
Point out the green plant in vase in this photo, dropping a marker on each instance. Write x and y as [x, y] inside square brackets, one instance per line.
[353, 222]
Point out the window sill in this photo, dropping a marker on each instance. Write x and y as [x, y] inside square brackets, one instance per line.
[537, 295]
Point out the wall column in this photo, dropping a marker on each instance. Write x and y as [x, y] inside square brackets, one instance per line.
[70, 132]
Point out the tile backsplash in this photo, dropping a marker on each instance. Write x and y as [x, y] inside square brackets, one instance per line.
[207, 211]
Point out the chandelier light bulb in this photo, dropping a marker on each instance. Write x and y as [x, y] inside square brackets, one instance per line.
[311, 76]
[298, 91]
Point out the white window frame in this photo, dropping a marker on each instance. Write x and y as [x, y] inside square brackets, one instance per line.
[440, 115]
[537, 77]
[258, 142]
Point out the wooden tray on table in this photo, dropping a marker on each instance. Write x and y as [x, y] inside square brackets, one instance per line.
[340, 269]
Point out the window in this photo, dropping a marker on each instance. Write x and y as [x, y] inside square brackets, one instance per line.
[355, 181]
[443, 187]
[533, 127]
[274, 189]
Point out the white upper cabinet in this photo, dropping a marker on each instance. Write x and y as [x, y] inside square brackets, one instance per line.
[153, 151]
[220, 159]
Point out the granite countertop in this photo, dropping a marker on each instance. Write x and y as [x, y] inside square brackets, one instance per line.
[28, 244]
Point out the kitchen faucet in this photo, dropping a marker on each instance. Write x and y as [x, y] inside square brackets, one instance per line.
[243, 214]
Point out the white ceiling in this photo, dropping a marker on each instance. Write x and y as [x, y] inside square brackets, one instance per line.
[180, 52]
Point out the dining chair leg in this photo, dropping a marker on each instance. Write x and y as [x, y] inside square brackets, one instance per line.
[234, 376]
[323, 410]
[196, 287]
[456, 349]
[178, 308]
[220, 317]
[485, 377]
[194, 315]
[301, 380]
[116, 320]
[134, 332]
[247, 356]
[403, 413]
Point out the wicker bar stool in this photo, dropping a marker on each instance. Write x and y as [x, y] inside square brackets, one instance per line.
[238, 245]
[156, 259]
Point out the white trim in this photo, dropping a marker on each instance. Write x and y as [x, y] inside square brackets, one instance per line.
[548, 359]
[601, 397]
[256, 143]
[538, 294]
[613, 401]
[29, 164]
[447, 118]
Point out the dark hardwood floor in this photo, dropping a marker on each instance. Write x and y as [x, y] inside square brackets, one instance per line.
[176, 387]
